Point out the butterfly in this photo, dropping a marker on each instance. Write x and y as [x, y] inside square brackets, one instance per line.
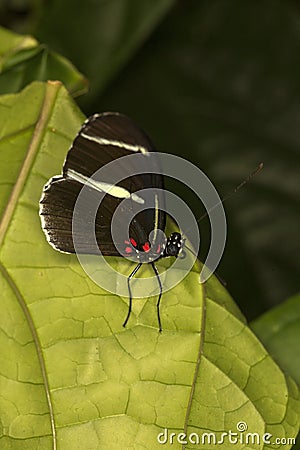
[105, 139]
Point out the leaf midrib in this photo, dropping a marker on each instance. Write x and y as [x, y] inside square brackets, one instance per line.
[199, 357]
[51, 91]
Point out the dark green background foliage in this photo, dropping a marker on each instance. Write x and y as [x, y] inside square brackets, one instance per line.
[216, 82]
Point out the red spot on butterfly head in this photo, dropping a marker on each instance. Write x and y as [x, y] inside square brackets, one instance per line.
[133, 242]
[146, 247]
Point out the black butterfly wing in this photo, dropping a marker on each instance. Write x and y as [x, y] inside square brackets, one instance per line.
[57, 208]
[102, 139]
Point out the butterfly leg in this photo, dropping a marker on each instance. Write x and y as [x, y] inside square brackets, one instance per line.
[130, 293]
[182, 254]
[159, 296]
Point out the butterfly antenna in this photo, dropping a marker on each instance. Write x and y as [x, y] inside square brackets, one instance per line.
[230, 194]
[190, 250]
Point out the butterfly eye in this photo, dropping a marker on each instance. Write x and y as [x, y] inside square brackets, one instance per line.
[172, 249]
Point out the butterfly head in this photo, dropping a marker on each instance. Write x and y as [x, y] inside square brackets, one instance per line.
[174, 244]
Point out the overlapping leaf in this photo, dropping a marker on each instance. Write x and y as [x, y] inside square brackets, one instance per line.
[23, 60]
[279, 330]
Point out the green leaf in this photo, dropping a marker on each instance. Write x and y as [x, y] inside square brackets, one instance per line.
[23, 60]
[279, 330]
[71, 376]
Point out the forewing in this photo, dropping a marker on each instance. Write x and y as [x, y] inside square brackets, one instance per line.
[104, 138]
